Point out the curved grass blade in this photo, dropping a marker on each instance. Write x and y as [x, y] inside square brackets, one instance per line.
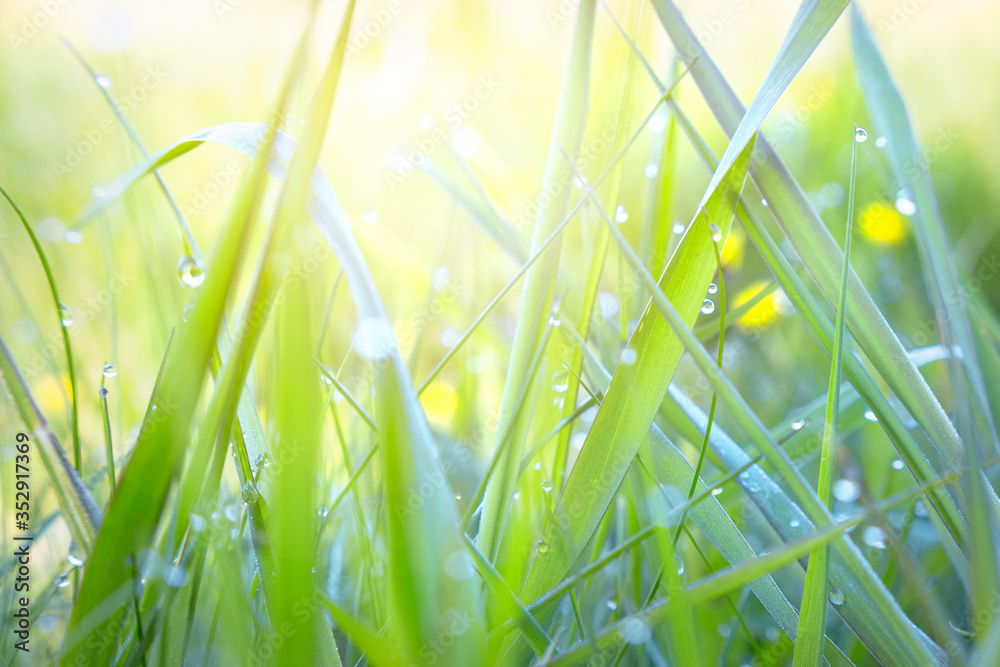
[60, 316]
[812, 619]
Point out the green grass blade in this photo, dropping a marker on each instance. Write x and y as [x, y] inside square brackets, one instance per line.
[890, 117]
[817, 249]
[539, 282]
[811, 23]
[78, 507]
[891, 120]
[812, 619]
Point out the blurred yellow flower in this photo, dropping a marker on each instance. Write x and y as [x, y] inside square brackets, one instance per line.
[52, 398]
[732, 252]
[763, 312]
[882, 224]
[440, 402]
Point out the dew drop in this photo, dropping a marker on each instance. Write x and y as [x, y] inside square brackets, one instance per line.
[680, 563]
[109, 371]
[870, 416]
[458, 496]
[62, 581]
[874, 537]
[797, 424]
[197, 523]
[897, 464]
[560, 382]
[836, 597]
[186, 313]
[546, 486]
[542, 547]
[98, 191]
[103, 81]
[322, 512]
[707, 306]
[65, 315]
[860, 135]
[880, 142]
[467, 143]
[628, 357]
[636, 632]
[712, 288]
[763, 203]
[621, 215]
[74, 560]
[72, 236]
[190, 272]
[904, 203]
[717, 491]
[249, 493]
[175, 576]
[678, 227]
[102, 392]
[794, 523]
[657, 123]
[612, 605]
[846, 491]
[772, 634]
[651, 170]
[716, 233]
[724, 630]
[516, 495]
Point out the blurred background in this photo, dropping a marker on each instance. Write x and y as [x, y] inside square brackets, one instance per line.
[444, 112]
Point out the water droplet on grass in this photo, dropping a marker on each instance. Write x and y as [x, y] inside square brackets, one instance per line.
[880, 142]
[102, 392]
[621, 215]
[797, 424]
[74, 237]
[712, 288]
[716, 233]
[109, 371]
[560, 381]
[860, 135]
[651, 170]
[62, 581]
[874, 537]
[897, 464]
[103, 81]
[846, 491]
[546, 486]
[74, 560]
[65, 315]
[905, 203]
[763, 202]
[870, 416]
[836, 597]
[717, 491]
[707, 307]
[249, 493]
[190, 272]
[612, 605]
[678, 227]
[628, 357]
